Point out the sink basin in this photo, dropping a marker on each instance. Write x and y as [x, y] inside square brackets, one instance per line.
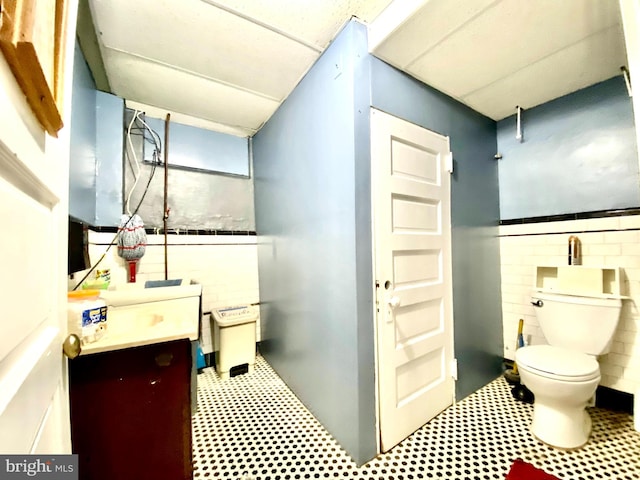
[131, 294]
[139, 316]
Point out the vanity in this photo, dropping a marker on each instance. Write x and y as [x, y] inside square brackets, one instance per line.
[131, 392]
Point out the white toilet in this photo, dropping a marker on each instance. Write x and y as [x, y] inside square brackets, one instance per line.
[564, 375]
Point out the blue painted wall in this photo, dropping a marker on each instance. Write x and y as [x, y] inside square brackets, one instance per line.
[313, 208]
[202, 198]
[109, 142]
[310, 175]
[474, 217]
[82, 162]
[197, 200]
[95, 170]
[200, 149]
[579, 154]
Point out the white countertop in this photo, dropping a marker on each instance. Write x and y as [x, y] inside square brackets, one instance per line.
[138, 337]
[136, 325]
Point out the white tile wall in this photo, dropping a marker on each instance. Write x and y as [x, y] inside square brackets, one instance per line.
[613, 241]
[225, 265]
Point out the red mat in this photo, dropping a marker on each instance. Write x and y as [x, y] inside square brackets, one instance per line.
[521, 470]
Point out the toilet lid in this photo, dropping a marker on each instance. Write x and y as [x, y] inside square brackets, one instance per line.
[558, 362]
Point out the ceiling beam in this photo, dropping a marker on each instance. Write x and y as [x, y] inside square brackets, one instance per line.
[88, 40]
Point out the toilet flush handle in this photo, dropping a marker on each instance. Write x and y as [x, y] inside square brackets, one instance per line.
[537, 303]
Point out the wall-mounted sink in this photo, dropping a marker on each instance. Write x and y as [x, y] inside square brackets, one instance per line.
[133, 293]
[139, 316]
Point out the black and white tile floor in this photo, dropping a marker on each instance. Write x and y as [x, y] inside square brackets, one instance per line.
[253, 427]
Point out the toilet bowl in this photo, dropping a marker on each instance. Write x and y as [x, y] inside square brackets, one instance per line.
[564, 374]
[563, 382]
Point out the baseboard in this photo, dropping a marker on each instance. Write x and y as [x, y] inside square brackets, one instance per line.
[614, 400]
[605, 397]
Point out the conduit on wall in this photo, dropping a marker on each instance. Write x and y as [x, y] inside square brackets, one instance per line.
[627, 79]
[165, 215]
[518, 124]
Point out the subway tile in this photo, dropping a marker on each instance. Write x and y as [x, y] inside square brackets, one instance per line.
[612, 370]
[607, 249]
[593, 260]
[630, 221]
[631, 373]
[571, 225]
[514, 279]
[511, 229]
[630, 349]
[511, 289]
[630, 324]
[560, 259]
[621, 384]
[535, 340]
[510, 259]
[627, 337]
[631, 273]
[625, 262]
[590, 238]
[618, 347]
[611, 248]
[630, 249]
[516, 298]
[548, 250]
[607, 223]
[617, 359]
[629, 236]
[508, 270]
[629, 308]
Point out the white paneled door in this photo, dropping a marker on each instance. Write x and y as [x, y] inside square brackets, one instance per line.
[412, 250]
[34, 172]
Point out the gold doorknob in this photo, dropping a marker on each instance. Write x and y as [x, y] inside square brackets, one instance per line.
[72, 346]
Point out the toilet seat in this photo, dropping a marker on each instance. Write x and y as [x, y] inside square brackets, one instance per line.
[558, 363]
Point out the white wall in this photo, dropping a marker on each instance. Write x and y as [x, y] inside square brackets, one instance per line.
[225, 265]
[613, 241]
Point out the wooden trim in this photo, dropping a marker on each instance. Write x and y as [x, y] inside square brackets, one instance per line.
[62, 8]
[31, 36]
[21, 177]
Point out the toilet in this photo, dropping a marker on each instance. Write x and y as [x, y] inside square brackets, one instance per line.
[564, 375]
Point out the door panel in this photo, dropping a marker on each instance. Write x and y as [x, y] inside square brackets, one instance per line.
[34, 176]
[416, 321]
[29, 220]
[414, 162]
[34, 372]
[412, 215]
[412, 247]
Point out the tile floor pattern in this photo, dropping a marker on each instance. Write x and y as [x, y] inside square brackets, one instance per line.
[253, 427]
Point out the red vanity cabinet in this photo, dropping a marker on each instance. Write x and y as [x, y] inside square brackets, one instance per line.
[131, 412]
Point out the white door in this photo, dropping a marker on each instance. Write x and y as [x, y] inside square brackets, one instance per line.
[34, 412]
[412, 249]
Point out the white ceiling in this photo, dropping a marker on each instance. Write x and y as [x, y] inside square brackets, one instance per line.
[231, 63]
[494, 55]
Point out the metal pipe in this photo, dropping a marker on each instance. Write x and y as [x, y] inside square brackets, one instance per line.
[165, 216]
[627, 80]
[574, 250]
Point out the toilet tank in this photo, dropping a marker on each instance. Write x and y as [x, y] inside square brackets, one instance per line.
[584, 324]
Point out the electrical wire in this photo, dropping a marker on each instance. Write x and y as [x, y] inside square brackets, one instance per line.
[136, 175]
[154, 134]
[156, 161]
